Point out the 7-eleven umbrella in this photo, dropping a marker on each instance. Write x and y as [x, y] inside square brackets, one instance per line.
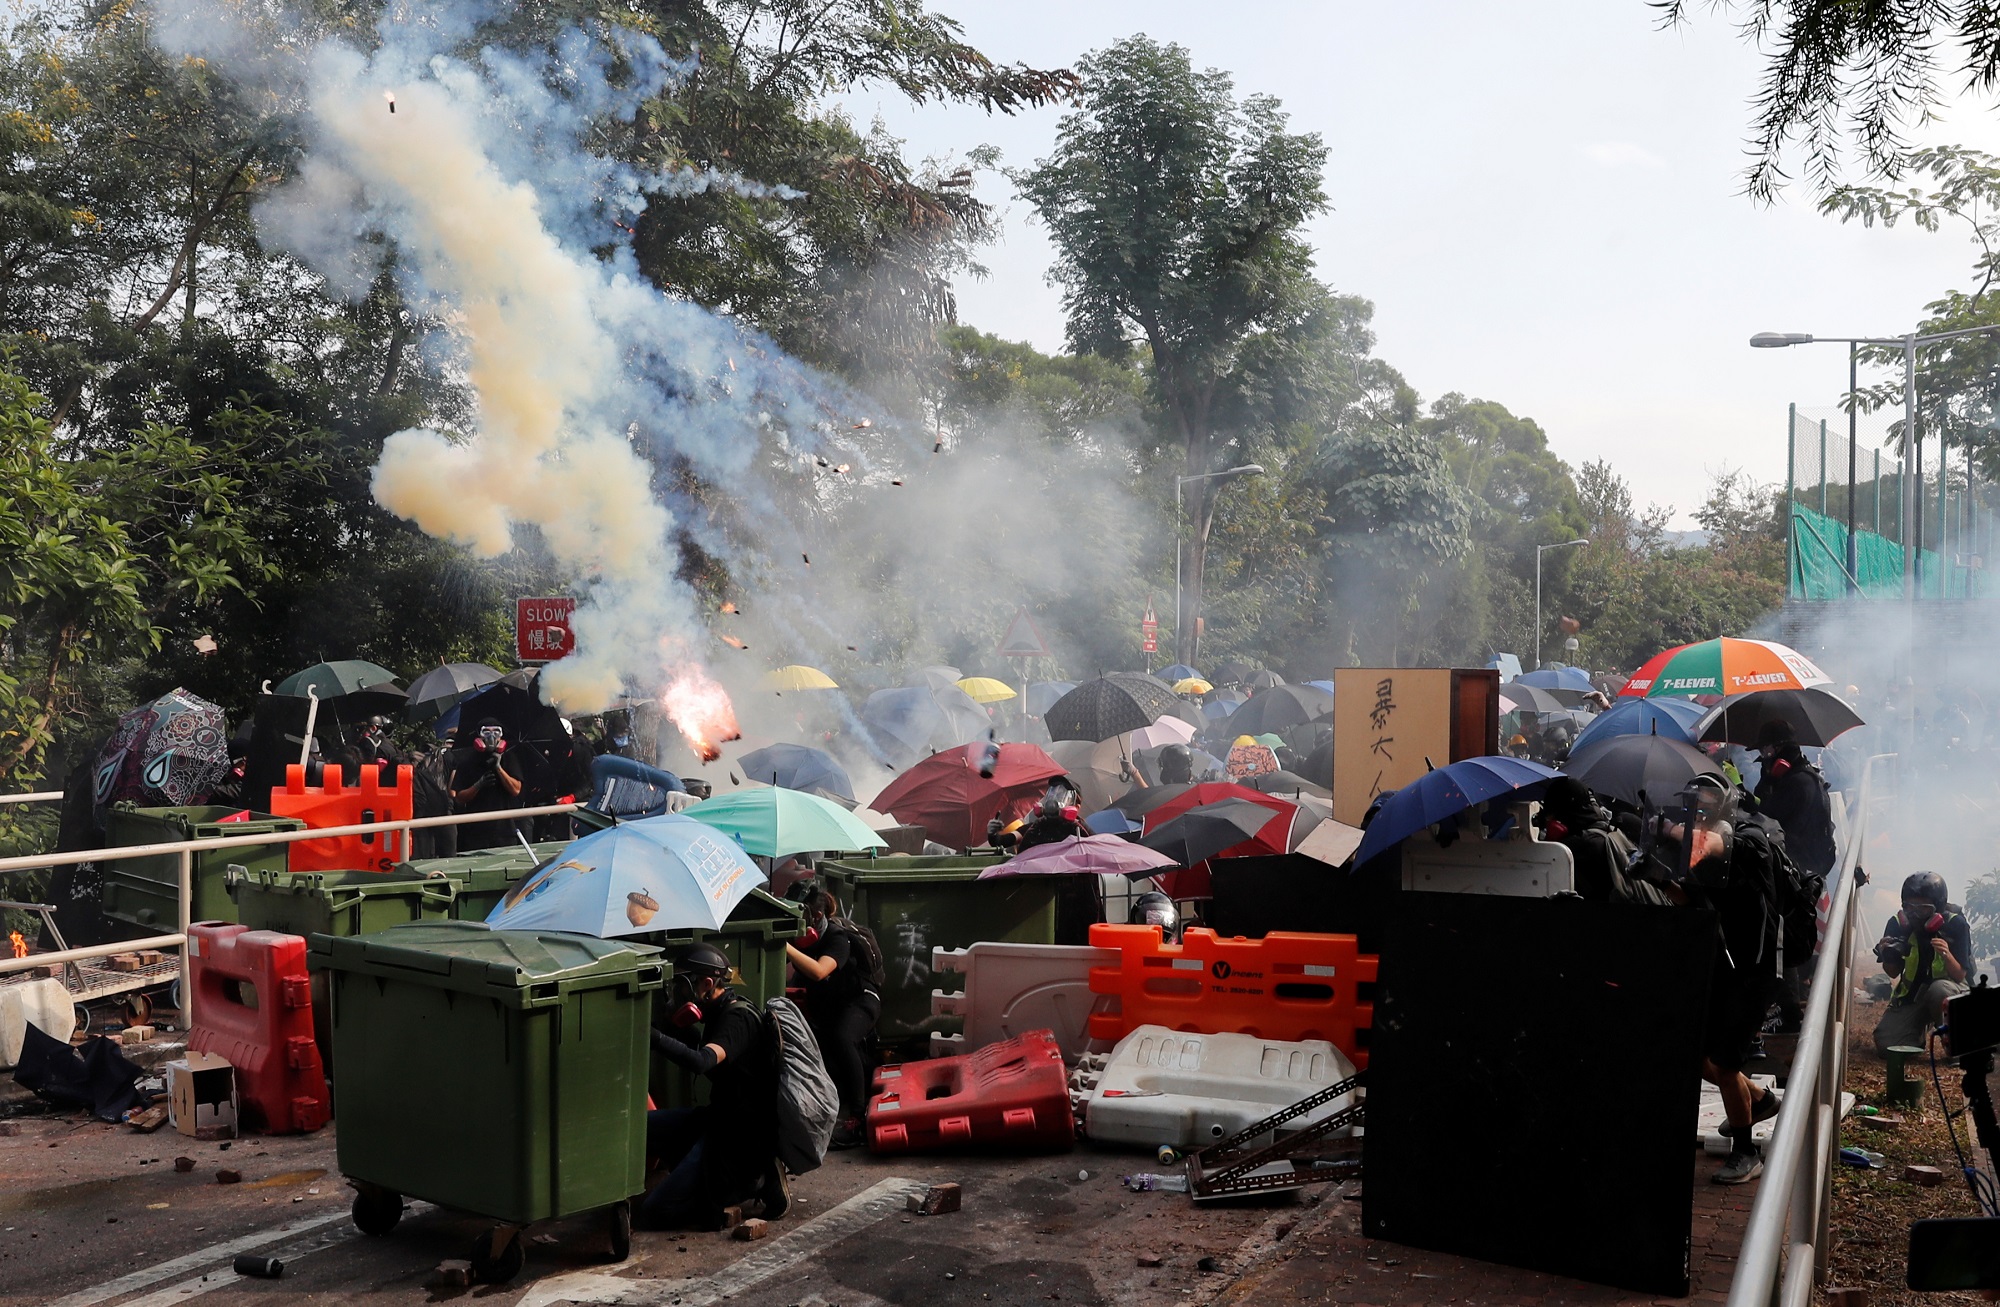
[1724, 667]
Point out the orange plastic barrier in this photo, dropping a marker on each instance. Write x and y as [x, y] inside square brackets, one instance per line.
[1013, 1094]
[334, 805]
[1283, 986]
[266, 1033]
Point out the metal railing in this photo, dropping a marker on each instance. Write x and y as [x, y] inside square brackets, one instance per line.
[39, 796]
[185, 850]
[1788, 1219]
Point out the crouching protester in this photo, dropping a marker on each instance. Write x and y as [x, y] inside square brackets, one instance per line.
[726, 1153]
[1925, 947]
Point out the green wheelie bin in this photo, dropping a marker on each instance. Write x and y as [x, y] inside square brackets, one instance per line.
[917, 904]
[144, 893]
[534, 1046]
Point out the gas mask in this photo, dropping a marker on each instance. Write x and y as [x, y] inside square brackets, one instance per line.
[684, 1005]
[492, 739]
[1923, 918]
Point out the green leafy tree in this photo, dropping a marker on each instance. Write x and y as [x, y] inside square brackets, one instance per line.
[1176, 212]
[1837, 72]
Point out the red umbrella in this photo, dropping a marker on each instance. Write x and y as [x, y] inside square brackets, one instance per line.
[1274, 840]
[946, 795]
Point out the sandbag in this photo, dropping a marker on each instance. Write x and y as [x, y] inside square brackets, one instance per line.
[43, 1004]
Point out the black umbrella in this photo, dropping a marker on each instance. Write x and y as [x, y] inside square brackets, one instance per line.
[1284, 782]
[1814, 715]
[1137, 803]
[1318, 765]
[1527, 698]
[1279, 708]
[1636, 768]
[369, 701]
[441, 687]
[1200, 833]
[1263, 679]
[1111, 705]
[1231, 673]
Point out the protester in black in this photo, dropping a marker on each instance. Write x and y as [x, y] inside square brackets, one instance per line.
[486, 776]
[377, 747]
[841, 968]
[1791, 792]
[726, 1153]
[1605, 861]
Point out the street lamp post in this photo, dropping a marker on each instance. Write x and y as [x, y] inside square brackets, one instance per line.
[1539, 551]
[1184, 655]
[1908, 342]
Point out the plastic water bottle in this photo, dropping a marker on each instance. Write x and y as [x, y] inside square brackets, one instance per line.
[1147, 1182]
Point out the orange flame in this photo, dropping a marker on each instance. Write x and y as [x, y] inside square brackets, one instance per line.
[702, 711]
[20, 945]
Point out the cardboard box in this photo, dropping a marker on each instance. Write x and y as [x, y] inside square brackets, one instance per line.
[201, 1094]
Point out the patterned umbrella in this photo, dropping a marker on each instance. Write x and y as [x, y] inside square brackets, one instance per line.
[171, 751]
[1111, 705]
[1724, 667]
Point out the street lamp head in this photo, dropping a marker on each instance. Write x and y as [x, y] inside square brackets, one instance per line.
[1246, 470]
[1779, 339]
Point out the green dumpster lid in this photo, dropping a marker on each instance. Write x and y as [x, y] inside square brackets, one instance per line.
[469, 955]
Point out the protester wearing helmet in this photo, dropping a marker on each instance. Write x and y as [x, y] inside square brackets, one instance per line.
[376, 746]
[723, 1154]
[1926, 947]
[1791, 792]
[841, 966]
[487, 775]
[1155, 909]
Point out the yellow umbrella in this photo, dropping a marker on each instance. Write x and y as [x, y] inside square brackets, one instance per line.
[985, 689]
[799, 677]
[1192, 685]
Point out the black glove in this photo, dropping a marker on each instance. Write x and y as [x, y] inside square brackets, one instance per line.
[493, 763]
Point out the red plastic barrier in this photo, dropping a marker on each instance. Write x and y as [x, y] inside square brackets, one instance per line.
[334, 805]
[267, 1034]
[1013, 1094]
[1283, 986]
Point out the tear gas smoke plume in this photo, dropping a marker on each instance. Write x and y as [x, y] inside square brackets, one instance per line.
[499, 220]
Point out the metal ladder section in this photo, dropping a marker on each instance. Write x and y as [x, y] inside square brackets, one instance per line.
[1290, 1160]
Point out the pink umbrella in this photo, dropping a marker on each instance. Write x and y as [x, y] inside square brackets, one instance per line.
[1094, 855]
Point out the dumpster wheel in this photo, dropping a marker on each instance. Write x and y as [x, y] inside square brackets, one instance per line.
[621, 1230]
[498, 1255]
[376, 1211]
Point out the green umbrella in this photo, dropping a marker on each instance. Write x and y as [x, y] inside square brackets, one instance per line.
[332, 680]
[775, 823]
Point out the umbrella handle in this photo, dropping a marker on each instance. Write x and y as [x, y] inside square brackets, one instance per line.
[312, 718]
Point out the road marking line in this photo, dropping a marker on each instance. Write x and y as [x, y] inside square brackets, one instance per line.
[850, 1217]
[222, 1275]
[152, 1275]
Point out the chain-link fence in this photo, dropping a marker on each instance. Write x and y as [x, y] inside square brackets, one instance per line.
[1847, 528]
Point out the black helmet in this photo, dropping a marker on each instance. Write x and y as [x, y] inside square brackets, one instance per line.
[1155, 909]
[1925, 887]
[702, 960]
[1176, 765]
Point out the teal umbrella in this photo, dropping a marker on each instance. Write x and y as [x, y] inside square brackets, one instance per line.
[776, 823]
[332, 680]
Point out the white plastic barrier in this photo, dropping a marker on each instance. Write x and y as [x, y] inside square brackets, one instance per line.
[1535, 869]
[1161, 1086]
[1011, 989]
[44, 1004]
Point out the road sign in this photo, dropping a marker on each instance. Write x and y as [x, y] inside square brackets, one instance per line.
[541, 629]
[1152, 644]
[1150, 622]
[1023, 640]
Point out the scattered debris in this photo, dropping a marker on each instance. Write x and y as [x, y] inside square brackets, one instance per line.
[1847, 1298]
[1151, 1261]
[183, 1164]
[936, 1201]
[1208, 1264]
[148, 1119]
[229, 1177]
[137, 1035]
[731, 608]
[1929, 1177]
[455, 1273]
[732, 1217]
[751, 1229]
[733, 642]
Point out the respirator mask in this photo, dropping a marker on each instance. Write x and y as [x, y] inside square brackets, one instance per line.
[492, 739]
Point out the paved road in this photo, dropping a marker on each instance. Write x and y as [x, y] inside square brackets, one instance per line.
[96, 1216]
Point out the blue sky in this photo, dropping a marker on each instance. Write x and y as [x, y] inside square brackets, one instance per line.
[1542, 200]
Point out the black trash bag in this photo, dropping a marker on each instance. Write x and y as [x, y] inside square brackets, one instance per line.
[98, 1077]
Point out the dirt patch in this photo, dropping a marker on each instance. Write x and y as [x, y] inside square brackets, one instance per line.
[1872, 1210]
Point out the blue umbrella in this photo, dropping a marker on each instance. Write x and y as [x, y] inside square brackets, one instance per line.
[1676, 719]
[797, 767]
[1043, 694]
[1446, 792]
[1178, 672]
[1110, 822]
[1216, 709]
[913, 721]
[1573, 679]
[662, 873]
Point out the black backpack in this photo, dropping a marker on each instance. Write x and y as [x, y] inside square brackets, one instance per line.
[1794, 894]
[868, 952]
